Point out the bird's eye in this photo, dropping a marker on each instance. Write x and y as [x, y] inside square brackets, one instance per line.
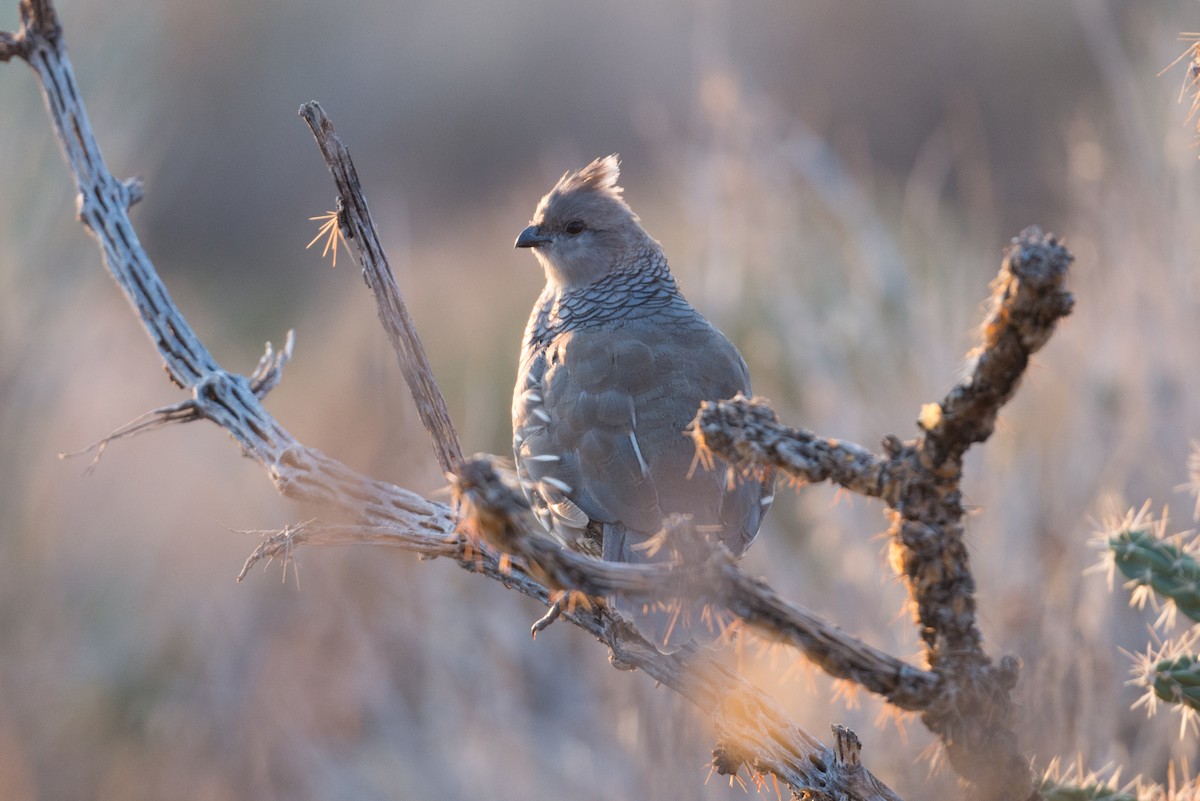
[575, 227]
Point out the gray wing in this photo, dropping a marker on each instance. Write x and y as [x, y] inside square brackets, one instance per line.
[598, 419]
[542, 466]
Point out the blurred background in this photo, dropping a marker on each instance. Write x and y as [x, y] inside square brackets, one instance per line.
[834, 183]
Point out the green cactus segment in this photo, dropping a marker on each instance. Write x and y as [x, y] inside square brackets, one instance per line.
[1056, 791]
[1177, 680]
[1168, 569]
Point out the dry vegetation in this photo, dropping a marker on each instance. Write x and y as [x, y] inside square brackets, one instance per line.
[132, 667]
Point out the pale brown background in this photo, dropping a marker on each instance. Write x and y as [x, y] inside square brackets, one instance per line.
[833, 182]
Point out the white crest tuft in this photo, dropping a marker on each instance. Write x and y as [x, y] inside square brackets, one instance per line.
[599, 176]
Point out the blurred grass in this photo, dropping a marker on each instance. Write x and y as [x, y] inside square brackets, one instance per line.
[833, 187]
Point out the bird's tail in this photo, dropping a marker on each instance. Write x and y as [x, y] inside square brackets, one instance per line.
[670, 623]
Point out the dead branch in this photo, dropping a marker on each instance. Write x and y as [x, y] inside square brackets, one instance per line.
[747, 433]
[358, 227]
[752, 730]
[921, 482]
[495, 513]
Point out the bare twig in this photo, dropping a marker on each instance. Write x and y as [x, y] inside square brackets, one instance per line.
[266, 375]
[359, 228]
[282, 544]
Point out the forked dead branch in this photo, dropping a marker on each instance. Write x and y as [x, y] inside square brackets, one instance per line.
[920, 481]
[962, 694]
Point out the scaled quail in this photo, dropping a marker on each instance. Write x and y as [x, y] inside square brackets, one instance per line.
[614, 365]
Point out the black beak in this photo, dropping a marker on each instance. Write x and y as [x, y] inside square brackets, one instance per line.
[531, 237]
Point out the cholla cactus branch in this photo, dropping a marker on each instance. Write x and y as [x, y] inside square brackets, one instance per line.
[1029, 297]
[747, 433]
[1147, 558]
[920, 482]
[1177, 681]
[976, 717]
[497, 515]
[1169, 673]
